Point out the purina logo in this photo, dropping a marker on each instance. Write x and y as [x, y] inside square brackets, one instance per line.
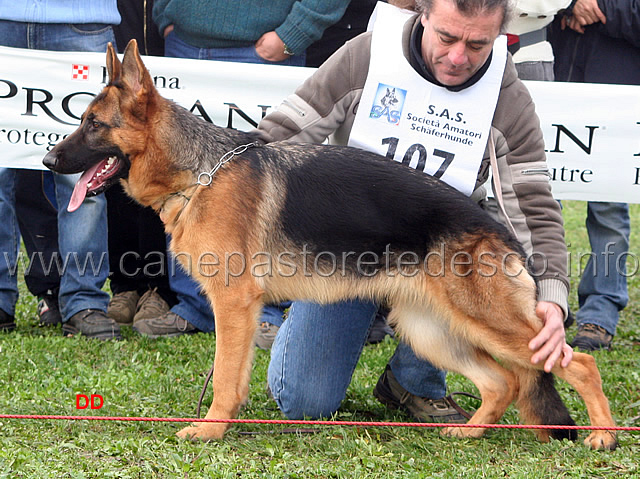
[79, 72]
[388, 104]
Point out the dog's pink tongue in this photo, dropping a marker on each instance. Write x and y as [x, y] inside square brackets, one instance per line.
[80, 190]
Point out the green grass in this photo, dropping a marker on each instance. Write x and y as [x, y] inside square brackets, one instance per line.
[42, 372]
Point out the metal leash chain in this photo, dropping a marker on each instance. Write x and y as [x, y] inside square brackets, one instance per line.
[205, 179]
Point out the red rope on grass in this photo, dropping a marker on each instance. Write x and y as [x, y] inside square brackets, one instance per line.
[314, 423]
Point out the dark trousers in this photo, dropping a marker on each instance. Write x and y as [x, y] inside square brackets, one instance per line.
[137, 248]
[38, 221]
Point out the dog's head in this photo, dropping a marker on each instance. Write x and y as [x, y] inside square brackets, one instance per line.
[390, 98]
[112, 129]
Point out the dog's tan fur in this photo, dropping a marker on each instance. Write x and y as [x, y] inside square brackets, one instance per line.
[460, 322]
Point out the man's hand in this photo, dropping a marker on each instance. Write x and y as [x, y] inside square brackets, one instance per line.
[585, 12]
[550, 344]
[270, 47]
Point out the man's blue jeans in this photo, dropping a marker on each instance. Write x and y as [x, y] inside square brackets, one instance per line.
[82, 238]
[317, 349]
[602, 292]
[174, 47]
[89, 37]
[191, 305]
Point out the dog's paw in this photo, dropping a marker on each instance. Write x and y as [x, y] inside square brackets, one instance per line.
[462, 432]
[203, 432]
[602, 440]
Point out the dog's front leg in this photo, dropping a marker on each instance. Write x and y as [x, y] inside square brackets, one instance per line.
[236, 313]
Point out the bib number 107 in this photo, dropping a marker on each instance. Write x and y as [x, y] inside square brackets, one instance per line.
[422, 155]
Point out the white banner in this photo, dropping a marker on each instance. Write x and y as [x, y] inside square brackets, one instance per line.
[592, 132]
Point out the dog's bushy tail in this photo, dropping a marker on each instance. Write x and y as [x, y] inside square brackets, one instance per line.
[539, 403]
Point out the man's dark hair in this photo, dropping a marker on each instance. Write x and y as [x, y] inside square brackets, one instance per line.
[472, 7]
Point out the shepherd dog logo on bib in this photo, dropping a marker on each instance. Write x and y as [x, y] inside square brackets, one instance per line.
[388, 103]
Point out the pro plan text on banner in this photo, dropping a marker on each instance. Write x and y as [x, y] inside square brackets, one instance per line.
[43, 94]
[593, 146]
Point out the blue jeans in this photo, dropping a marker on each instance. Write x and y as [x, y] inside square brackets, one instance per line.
[191, 304]
[317, 349]
[174, 47]
[602, 292]
[9, 242]
[89, 37]
[82, 242]
[82, 235]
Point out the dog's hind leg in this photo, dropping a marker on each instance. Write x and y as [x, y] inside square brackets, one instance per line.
[236, 314]
[582, 373]
[497, 386]
[538, 400]
[433, 339]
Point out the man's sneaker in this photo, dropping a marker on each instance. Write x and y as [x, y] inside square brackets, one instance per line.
[167, 325]
[591, 337]
[48, 310]
[389, 392]
[266, 334]
[122, 306]
[151, 305]
[380, 328]
[7, 322]
[92, 324]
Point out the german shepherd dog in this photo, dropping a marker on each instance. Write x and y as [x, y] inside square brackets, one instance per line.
[326, 224]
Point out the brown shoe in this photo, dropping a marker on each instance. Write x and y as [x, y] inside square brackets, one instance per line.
[167, 325]
[591, 337]
[150, 305]
[122, 306]
[389, 392]
[92, 324]
[265, 335]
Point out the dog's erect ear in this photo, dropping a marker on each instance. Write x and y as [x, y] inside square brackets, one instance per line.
[113, 63]
[134, 73]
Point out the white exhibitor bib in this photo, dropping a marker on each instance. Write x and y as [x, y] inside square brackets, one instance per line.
[410, 120]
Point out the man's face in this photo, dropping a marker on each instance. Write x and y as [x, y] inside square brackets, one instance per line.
[455, 46]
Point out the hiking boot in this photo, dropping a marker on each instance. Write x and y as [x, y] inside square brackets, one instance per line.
[389, 392]
[7, 322]
[92, 324]
[122, 306]
[591, 337]
[151, 305]
[48, 310]
[167, 325]
[379, 329]
[266, 334]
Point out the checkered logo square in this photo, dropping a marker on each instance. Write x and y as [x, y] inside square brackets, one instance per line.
[79, 72]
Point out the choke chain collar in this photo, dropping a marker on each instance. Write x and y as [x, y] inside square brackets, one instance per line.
[205, 178]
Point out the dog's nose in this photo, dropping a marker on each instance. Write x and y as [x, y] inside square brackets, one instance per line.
[50, 160]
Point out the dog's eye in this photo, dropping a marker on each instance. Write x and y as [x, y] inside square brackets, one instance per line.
[95, 124]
